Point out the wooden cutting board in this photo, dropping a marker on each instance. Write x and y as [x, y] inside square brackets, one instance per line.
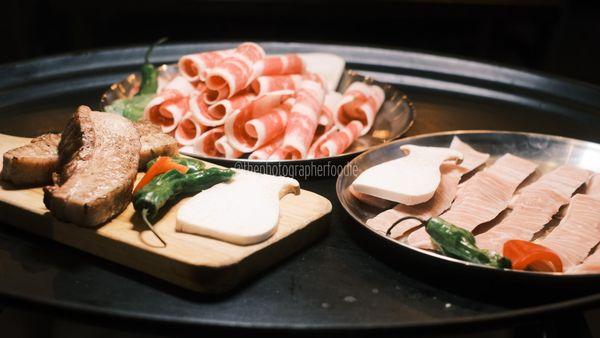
[193, 262]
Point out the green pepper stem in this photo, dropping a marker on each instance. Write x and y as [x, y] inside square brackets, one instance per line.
[149, 51]
[389, 231]
[145, 218]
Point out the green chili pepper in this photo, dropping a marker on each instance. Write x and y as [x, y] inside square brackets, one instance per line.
[133, 107]
[149, 83]
[171, 184]
[192, 164]
[459, 243]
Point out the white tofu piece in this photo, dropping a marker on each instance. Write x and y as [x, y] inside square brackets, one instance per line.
[243, 211]
[409, 180]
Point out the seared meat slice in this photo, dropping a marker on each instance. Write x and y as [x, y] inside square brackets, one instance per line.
[154, 142]
[99, 154]
[33, 163]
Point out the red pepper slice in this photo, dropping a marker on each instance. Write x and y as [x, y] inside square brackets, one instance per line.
[162, 165]
[526, 255]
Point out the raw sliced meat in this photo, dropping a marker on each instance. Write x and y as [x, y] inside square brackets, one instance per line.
[266, 84]
[205, 145]
[441, 200]
[194, 66]
[577, 234]
[282, 65]
[237, 70]
[226, 150]
[170, 105]
[189, 129]
[198, 107]
[592, 263]
[319, 140]
[337, 142]
[99, 154]
[278, 155]
[483, 197]
[592, 187]
[217, 114]
[212, 96]
[303, 119]
[258, 123]
[360, 102]
[266, 150]
[589, 265]
[534, 207]
[330, 105]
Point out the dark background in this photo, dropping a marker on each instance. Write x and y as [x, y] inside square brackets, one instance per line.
[555, 36]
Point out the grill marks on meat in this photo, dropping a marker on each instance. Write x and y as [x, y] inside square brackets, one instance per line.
[99, 154]
[483, 197]
[33, 163]
[534, 207]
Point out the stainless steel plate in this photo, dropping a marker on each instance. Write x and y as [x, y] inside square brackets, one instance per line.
[546, 150]
[395, 117]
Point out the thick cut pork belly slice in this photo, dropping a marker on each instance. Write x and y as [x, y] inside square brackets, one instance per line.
[483, 197]
[99, 153]
[577, 234]
[33, 163]
[534, 207]
[441, 200]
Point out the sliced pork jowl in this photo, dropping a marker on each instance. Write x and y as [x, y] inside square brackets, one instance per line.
[592, 263]
[99, 155]
[483, 197]
[578, 233]
[534, 207]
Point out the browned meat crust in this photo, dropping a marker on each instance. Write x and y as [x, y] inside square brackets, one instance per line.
[32, 164]
[99, 154]
[154, 142]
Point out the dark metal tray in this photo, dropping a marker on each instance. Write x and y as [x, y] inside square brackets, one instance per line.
[338, 284]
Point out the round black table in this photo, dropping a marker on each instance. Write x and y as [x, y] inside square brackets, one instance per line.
[342, 284]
